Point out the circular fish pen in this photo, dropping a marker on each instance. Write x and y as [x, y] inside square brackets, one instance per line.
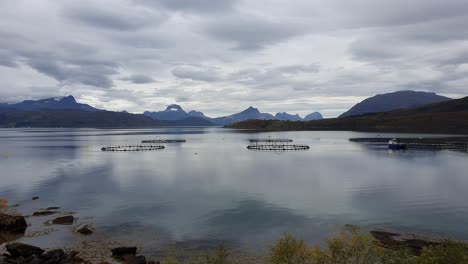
[163, 141]
[278, 147]
[270, 140]
[275, 144]
[132, 148]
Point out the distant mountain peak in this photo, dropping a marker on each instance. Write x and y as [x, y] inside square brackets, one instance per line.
[194, 113]
[394, 101]
[67, 99]
[251, 110]
[287, 117]
[67, 102]
[313, 116]
[173, 112]
[174, 107]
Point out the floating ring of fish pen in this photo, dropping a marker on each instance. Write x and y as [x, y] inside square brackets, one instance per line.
[164, 141]
[270, 140]
[277, 147]
[133, 148]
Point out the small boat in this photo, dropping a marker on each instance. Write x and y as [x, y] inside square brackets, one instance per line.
[393, 144]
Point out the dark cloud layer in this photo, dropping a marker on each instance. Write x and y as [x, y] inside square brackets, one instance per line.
[108, 17]
[222, 56]
[138, 79]
[252, 33]
[203, 6]
[192, 73]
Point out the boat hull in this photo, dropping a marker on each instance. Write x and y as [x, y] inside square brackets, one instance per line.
[397, 146]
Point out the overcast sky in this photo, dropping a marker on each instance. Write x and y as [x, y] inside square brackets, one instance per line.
[221, 56]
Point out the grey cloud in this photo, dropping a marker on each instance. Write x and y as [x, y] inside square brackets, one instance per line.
[453, 58]
[276, 77]
[93, 75]
[196, 74]
[298, 68]
[252, 33]
[433, 86]
[249, 76]
[449, 29]
[261, 52]
[409, 40]
[201, 6]
[142, 41]
[373, 49]
[371, 13]
[8, 41]
[138, 79]
[69, 63]
[110, 17]
[33, 92]
[7, 60]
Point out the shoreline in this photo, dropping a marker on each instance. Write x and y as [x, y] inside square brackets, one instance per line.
[95, 247]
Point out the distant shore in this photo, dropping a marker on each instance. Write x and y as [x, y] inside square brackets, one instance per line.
[379, 123]
[448, 117]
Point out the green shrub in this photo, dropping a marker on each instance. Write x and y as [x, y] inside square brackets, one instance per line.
[355, 248]
[343, 249]
[400, 256]
[289, 250]
[219, 257]
[169, 261]
[448, 252]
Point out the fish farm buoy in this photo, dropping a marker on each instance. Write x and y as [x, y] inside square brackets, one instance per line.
[133, 148]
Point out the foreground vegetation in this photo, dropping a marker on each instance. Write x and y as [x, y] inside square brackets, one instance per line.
[350, 248]
[361, 249]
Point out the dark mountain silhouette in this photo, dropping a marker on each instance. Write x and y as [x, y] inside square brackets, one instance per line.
[78, 118]
[189, 121]
[73, 118]
[39, 113]
[313, 116]
[287, 117]
[197, 114]
[172, 112]
[178, 116]
[393, 101]
[249, 113]
[67, 102]
[449, 117]
[175, 112]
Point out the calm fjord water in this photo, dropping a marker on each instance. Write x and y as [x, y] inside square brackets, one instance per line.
[212, 187]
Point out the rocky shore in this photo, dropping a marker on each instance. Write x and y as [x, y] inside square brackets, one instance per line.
[13, 227]
[19, 253]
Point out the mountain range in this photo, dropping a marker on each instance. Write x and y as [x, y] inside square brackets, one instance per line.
[66, 112]
[67, 102]
[175, 113]
[448, 117]
[393, 101]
